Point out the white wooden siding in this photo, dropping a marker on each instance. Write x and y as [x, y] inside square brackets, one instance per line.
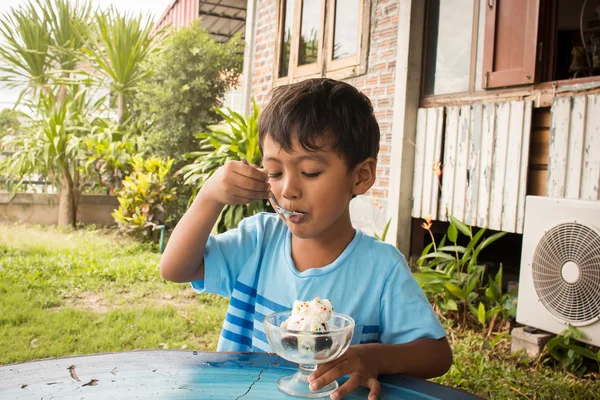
[574, 154]
[428, 151]
[485, 156]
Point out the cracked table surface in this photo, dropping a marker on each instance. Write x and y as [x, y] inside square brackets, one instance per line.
[179, 374]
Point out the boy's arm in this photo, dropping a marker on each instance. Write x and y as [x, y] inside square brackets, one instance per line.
[233, 183]
[183, 258]
[422, 358]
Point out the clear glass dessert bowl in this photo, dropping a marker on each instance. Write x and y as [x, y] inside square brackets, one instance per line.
[308, 349]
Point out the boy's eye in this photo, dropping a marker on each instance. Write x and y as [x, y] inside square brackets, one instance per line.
[274, 175]
[311, 175]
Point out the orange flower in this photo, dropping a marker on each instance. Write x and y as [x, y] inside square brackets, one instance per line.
[427, 224]
[437, 169]
[376, 203]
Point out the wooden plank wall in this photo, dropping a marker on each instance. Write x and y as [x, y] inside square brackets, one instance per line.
[574, 153]
[430, 122]
[485, 152]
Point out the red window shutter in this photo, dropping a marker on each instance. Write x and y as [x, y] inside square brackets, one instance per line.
[511, 31]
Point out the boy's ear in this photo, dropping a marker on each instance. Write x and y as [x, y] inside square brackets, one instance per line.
[364, 176]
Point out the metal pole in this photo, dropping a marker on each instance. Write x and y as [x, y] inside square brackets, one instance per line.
[162, 238]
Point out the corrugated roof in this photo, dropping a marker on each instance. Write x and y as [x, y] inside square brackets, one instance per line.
[221, 18]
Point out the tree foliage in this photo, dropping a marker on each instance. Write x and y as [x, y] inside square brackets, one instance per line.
[41, 52]
[235, 138]
[9, 121]
[108, 151]
[190, 76]
[116, 46]
[25, 53]
[52, 47]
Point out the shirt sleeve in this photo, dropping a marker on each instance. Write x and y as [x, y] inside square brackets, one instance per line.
[225, 256]
[405, 311]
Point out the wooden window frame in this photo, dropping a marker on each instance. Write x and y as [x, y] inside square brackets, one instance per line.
[325, 66]
[541, 91]
[300, 71]
[359, 60]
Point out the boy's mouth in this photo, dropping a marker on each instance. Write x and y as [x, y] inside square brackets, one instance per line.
[296, 219]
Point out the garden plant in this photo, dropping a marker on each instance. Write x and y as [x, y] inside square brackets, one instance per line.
[234, 139]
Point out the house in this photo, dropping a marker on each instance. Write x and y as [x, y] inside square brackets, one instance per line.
[505, 94]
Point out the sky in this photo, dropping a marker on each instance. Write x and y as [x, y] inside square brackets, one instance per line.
[154, 7]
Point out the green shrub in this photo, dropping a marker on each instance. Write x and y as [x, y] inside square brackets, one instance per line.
[146, 197]
[453, 280]
[572, 355]
[189, 76]
[237, 137]
[108, 151]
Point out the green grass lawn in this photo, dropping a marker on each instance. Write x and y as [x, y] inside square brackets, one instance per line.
[65, 293]
[76, 292]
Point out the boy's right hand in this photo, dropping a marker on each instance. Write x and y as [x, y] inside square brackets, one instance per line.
[237, 183]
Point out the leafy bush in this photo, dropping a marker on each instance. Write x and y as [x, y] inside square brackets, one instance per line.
[187, 78]
[237, 137]
[146, 197]
[108, 150]
[453, 280]
[572, 355]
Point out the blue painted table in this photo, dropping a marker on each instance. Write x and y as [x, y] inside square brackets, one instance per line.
[179, 374]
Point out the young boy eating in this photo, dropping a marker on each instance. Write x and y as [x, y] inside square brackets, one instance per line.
[319, 140]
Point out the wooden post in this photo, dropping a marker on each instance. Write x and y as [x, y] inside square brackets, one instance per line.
[406, 102]
[249, 57]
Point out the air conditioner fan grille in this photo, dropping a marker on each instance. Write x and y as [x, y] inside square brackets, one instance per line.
[566, 272]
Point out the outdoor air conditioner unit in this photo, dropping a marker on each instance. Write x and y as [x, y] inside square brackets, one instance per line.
[560, 266]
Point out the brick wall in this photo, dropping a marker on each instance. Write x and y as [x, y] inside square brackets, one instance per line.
[377, 84]
[264, 50]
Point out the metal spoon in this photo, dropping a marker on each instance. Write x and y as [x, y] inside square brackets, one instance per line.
[278, 208]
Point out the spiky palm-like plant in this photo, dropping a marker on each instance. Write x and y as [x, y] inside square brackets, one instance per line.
[117, 45]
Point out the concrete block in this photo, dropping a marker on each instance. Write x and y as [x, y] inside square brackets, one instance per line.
[532, 342]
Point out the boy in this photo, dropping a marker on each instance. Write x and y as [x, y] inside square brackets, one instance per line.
[319, 140]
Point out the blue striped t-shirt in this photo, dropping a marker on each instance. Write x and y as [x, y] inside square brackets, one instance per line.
[370, 281]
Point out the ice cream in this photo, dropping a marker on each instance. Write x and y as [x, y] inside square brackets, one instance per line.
[308, 316]
[311, 316]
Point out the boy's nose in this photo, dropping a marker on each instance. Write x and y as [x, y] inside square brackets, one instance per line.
[290, 190]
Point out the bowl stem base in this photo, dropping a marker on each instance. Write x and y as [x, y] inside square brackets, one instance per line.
[297, 385]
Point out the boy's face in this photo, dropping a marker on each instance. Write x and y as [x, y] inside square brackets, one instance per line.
[317, 183]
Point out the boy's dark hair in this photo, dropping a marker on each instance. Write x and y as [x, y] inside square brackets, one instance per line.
[310, 109]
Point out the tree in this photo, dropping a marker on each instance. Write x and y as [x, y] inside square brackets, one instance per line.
[50, 146]
[191, 75]
[42, 53]
[46, 45]
[25, 53]
[117, 44]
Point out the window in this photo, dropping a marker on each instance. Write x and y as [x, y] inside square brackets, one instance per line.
[449, 35]
[322, 38]
[477, 45]
[286, 38]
